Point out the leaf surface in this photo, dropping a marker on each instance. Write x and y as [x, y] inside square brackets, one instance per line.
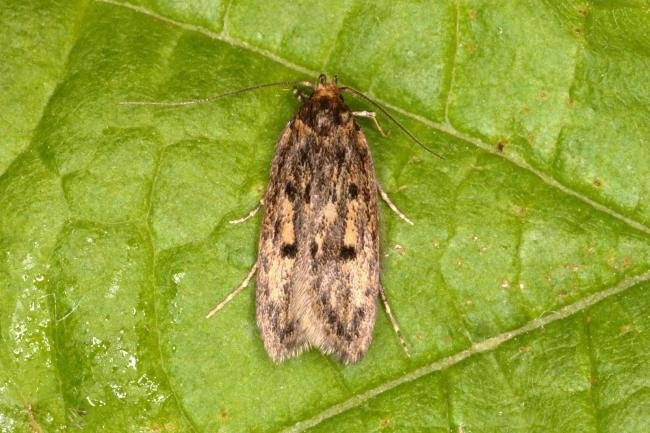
[521, 290]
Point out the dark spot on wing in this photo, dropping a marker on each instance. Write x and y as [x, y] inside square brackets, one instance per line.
[288, 250]
[308, 193]
[353, 190]
[340, 157]
[304, 151]
[273, 313]
[313, 249]
[359, 314]
[287, 331]
[348, 252]
[290, 191]
[363, 151]
[366, 194]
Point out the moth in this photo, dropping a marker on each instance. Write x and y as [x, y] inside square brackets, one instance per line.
[318, 264]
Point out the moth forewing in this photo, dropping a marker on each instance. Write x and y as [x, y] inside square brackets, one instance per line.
[318, 274]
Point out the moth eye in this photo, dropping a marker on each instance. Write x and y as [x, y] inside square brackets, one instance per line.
[341, 98]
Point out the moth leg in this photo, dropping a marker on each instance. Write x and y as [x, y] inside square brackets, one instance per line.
[393, 322]
[234, 293]
[391, 205]
[370, 115]
[249, 215]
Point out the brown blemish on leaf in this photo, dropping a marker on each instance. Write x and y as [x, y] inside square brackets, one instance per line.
[625, 329]
[520, 211]
[597, 183]
[163, 428]
[628, 262]
[502, 143]
[531, 139]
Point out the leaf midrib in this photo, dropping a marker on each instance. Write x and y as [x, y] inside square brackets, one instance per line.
[476, 348]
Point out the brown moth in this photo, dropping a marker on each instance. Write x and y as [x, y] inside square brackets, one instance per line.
[318, 262]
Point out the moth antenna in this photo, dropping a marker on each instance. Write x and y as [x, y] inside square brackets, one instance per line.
[220, 96]
[390, 117]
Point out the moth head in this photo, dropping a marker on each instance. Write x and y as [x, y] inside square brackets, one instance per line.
[325, 88]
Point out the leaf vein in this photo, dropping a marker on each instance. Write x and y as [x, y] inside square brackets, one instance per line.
[440, 127]
[480, 347]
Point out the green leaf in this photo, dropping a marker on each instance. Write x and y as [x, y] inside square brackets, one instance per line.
[521, 290]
